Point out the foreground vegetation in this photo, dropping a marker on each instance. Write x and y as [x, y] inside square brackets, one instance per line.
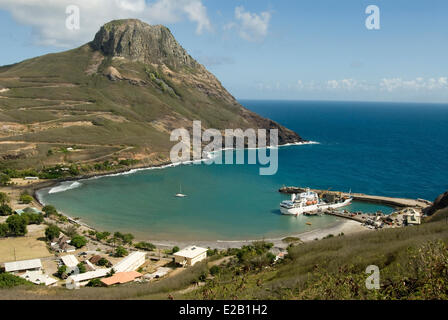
[413, 264]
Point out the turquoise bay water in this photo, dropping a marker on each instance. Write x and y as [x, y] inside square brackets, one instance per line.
[376, 148]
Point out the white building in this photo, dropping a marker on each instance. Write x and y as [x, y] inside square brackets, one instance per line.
[22, 266]
[37, 277]
[190, 256]
[70, 261]
[131, 263]
[160, 273]
[78, 279]
[413, 217]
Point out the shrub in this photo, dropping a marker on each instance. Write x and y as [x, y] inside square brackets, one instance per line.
[71, 231]
[4, 230]
[78, 241]
[8, 280]
[33, 218]
[102, 235]
[103, 262]
[121, 252]
[49, 210]
[26, 198]
[5, 210]
[145, 246]
[175, 249]
[94, 283]
[215, 270]
[4, 179]
[62, 272]
[81, 267]
[4, 199]
[52, 232]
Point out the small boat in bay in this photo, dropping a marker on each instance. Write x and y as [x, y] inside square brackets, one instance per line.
[180, 194]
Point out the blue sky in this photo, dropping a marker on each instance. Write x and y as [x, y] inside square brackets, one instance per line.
[305, 50]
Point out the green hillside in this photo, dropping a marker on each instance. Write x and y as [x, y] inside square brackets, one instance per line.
[118, 97]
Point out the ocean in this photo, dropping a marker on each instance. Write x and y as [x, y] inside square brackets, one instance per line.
[391, 149]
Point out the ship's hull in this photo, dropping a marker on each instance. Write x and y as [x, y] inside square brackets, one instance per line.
[313, 208]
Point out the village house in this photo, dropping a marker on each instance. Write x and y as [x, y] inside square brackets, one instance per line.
[62, 245]
[70, 261]
[121, 277]
[37, 277]
[17, 267]
[131, 263]
[190, 256]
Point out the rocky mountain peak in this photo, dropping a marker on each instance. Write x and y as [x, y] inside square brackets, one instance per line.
[138, 41]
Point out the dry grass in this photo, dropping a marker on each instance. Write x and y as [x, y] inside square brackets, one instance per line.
[28, 247]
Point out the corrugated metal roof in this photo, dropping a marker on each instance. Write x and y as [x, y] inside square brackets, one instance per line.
[131, 262]
[89, 275]
[191, 252]
[22, 265]
[70, 261]
[37, 277]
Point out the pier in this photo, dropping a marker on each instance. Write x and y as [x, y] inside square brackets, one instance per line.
[390, 201]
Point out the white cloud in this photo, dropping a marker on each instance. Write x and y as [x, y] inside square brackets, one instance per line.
[250, 26]
[389, 85]
[417, 84]
[47, 17]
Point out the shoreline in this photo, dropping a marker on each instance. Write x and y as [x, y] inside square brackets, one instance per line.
[346, 227]
[218, 244]
[133, 169]
[342, 226]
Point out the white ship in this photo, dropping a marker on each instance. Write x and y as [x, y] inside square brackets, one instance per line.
[308, 202]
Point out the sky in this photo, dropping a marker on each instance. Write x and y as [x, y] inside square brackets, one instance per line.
[267, 49]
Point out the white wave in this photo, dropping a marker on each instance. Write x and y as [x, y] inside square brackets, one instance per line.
[208, 156]
[64, 186]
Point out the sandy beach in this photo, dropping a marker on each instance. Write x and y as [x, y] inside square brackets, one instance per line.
[343, 226]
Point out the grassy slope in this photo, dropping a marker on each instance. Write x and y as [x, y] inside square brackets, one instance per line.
[54, 89]
[328, 269]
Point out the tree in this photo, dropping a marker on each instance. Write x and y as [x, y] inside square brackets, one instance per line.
[127, 238]
[111, 272]
[49, 210]
[215, 270]
[102, 235]
[62, 272]
[4, 230]
[4, 179]
[26, 198]
[5, 210]
[121, 252]
[4, 199]
[33, 218]
[71, 231]
[17, 225]
[78, 241]
[52, 232]
[81, 267]
[94, 283]
[175, 249]
[103, 262]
